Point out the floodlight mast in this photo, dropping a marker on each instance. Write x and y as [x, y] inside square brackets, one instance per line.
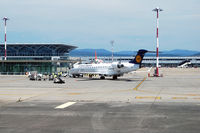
[112, 42]
[5, 19]
[157, 10]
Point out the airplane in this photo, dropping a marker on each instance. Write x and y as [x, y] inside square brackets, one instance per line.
[114, 69]
[97, 61]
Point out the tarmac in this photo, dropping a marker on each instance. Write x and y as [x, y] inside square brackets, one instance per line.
[133, 103]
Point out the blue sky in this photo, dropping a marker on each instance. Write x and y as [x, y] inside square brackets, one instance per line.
[94, 23]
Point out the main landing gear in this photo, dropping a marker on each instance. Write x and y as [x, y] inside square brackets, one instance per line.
[90, 76]
[114, 77]
[77, 75]
[102, 77]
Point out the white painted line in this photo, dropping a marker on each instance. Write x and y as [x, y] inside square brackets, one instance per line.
[65, 105]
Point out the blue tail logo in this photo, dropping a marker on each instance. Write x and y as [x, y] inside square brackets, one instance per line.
[139, 57]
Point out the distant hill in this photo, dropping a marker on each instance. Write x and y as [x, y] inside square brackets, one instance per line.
[179, 52]
[103, 52]
[198, 54]
[90, 52]
[125, 53]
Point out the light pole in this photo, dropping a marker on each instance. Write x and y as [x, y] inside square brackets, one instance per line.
[112, 42]
[5, 19]
[157, 10]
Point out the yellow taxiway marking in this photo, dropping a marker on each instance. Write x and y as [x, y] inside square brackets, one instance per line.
[192, 94]
[179, 98]
[147, 97]
[140, 84]
[154, 92]
[65, 105]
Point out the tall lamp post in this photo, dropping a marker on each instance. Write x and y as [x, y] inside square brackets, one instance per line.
[5, 19]
[157, 10]
[112, 42]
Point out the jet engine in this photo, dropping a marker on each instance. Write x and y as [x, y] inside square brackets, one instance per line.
[120, 65]
[117, 65]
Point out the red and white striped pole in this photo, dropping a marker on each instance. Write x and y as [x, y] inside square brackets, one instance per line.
[157, 46]
[5, 19]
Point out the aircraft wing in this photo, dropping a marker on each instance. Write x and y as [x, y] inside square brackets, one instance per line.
[90, 73]
[95, 73]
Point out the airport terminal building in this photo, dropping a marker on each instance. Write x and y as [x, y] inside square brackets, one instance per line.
[40, 57]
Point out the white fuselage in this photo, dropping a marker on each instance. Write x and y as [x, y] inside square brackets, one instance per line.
[104, 69]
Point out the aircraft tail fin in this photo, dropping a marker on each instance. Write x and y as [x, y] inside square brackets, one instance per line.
[139, 57]
[95, 55]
